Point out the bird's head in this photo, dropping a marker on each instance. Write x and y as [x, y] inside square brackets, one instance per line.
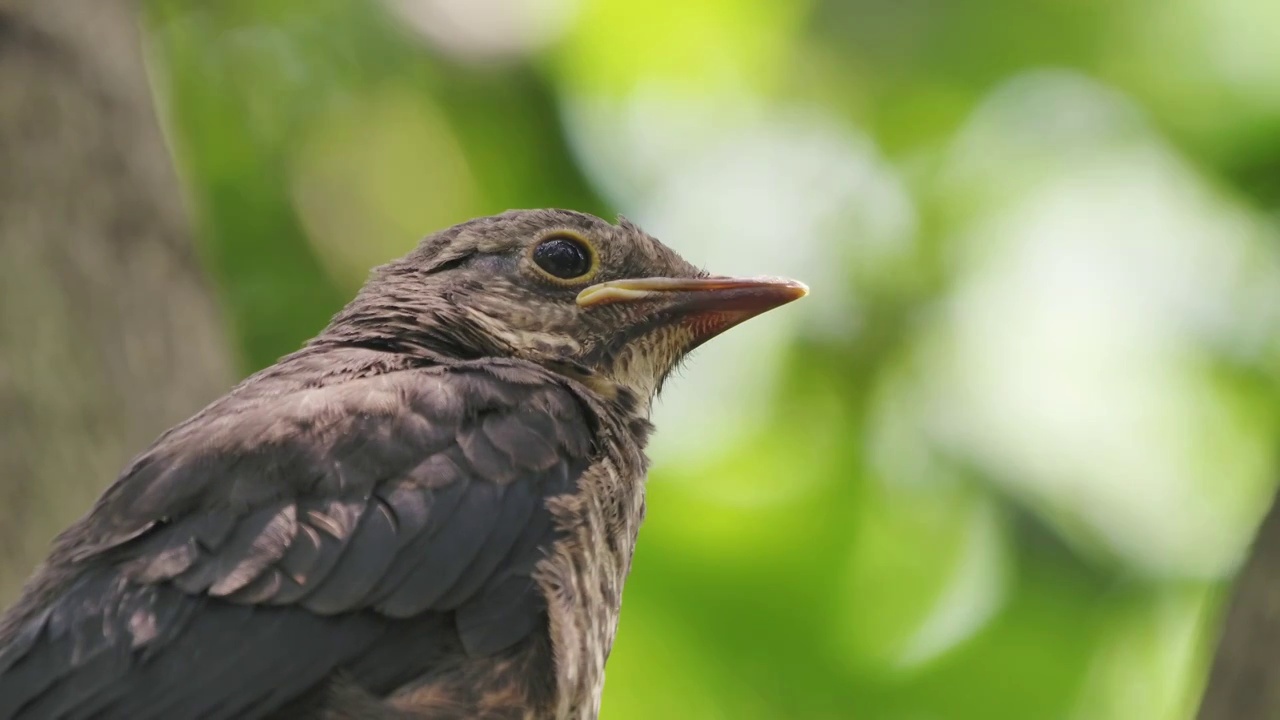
[569, 291]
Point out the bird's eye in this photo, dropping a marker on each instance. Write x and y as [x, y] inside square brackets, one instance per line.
[564, 258]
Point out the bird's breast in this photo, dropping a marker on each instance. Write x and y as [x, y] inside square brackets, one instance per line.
[583, 577]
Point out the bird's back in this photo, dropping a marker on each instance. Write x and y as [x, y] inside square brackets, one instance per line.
[75, 665]
[377, 527]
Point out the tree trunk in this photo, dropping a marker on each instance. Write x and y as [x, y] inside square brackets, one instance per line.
[1244, 680]
[108, 331]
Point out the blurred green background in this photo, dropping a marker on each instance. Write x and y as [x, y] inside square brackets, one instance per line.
[1001, 462]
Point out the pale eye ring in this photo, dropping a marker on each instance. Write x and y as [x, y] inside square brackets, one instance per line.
[564, 257]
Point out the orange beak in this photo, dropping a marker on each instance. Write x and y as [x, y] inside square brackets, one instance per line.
[710, 305]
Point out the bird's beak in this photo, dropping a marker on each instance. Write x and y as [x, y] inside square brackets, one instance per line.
[711, 304]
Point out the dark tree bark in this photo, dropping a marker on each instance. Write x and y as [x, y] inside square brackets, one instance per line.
[108, 332]
[1244, 680]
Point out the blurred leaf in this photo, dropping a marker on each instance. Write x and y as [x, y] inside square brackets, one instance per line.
[856, 552]
[1147, 661]
[927, 572]
[619, 46]
[372, 174]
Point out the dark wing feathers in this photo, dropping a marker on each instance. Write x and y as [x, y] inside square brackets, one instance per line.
[515, 508]
[406, 563]
[333, 522]
[281, 537]
[365, 558]
[449, 552]
[259, 539]
[504, 614]
[535, 441]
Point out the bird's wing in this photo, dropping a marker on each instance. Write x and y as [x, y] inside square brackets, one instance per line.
[276, 540]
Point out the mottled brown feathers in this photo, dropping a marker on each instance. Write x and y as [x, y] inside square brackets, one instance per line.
[428, 512]
[335, 517]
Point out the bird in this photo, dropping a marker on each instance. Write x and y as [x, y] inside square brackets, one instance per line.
[427, 511]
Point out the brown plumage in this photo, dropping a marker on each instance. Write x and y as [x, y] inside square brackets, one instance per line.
[427, 512]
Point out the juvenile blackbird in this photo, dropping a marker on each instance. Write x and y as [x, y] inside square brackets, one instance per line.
[429, 511]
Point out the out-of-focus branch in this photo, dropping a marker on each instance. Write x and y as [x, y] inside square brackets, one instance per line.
[107, 329]
[1244, 680]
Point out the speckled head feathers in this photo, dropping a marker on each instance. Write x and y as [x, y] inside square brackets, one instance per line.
[567, 290]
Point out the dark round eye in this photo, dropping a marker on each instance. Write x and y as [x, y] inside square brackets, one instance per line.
[563, 257]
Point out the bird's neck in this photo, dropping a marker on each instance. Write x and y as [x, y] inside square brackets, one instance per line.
[420, 325]
[584, 572]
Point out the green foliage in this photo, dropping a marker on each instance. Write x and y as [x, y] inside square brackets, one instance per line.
[1018, 438]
